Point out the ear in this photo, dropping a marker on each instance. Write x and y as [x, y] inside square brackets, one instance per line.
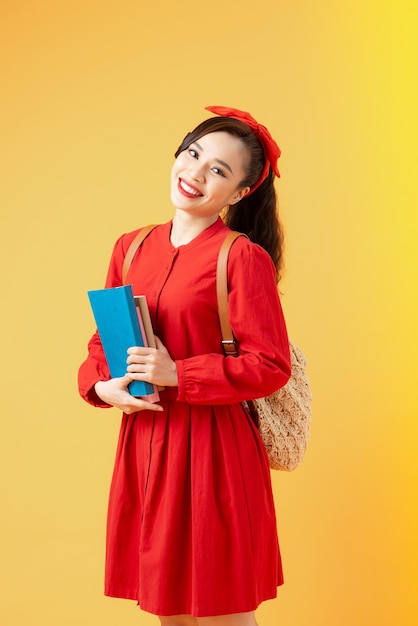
[239, 194]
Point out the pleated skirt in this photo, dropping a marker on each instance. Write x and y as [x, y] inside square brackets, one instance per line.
[191, 522]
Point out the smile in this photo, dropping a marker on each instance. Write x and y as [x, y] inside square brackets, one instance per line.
[188, 190]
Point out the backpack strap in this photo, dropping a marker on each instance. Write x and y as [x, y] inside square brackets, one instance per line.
[228, 341]
[133, 247]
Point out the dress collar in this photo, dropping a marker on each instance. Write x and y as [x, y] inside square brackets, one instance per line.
[206, 234]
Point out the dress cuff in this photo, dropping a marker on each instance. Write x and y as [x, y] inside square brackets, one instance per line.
[182, 395]
[92, 398]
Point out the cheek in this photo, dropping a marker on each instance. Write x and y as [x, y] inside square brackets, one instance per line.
[173, 176]
[174, 167]
[178, 166]
[180, 160]
[175, 170]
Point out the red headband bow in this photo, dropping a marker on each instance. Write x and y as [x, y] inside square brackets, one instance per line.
[271, 149]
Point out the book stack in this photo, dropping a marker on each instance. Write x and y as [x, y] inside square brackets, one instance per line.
[123, 321]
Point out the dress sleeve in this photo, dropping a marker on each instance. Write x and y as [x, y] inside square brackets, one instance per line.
[256, 317]
[95, 368]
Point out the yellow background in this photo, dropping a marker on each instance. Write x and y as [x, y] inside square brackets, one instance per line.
[96, 96]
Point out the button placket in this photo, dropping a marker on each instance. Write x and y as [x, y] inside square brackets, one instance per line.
[167, 266]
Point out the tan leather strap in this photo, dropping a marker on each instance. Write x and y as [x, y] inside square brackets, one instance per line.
[136, 242]
[228, 342]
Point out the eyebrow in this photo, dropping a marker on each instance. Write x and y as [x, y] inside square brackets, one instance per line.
[228, 167]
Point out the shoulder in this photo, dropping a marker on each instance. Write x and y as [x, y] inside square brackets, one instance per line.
[246, 253]
[123, 243]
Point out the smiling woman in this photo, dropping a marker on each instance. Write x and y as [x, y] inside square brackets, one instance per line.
[191, 522]
[202, 181]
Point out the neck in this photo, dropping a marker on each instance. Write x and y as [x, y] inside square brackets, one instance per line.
[184, 230]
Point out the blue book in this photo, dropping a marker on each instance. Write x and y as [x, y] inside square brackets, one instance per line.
[117, 323]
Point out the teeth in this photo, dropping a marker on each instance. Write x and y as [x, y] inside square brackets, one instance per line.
[188, 189]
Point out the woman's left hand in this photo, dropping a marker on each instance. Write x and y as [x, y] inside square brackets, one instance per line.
[152, 365]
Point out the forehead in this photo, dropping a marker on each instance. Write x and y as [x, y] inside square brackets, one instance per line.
[223, 145]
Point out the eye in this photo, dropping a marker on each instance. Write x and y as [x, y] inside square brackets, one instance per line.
[218, 171]
[193, 153]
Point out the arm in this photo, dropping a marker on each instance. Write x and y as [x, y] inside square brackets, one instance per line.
[95, 384]
[256, 316]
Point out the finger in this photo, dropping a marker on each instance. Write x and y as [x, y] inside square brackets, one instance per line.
[136, 358]
[125, 380]
[130, 403]
[140, 350]
[141, 404]
[130, 408]
[150, 406]
[159, 345]
[136, 368]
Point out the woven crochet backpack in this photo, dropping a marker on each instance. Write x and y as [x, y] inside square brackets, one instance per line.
[284, 417]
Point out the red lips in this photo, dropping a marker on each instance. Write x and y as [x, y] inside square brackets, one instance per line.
[188, 190]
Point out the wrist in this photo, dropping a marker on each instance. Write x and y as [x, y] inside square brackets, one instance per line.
[95, 398]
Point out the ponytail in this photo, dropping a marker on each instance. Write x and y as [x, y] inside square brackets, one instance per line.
[256, 216]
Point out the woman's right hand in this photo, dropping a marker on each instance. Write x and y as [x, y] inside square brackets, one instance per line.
[115, 392]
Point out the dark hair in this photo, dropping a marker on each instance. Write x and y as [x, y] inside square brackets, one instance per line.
[256, 214]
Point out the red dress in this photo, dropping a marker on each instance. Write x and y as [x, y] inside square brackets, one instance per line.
[191, 521]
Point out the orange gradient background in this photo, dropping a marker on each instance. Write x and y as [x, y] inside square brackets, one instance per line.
[96, 97]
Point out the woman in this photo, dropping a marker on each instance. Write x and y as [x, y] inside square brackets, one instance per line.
[191, 533]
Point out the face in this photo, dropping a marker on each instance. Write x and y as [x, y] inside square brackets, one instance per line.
[207, 175]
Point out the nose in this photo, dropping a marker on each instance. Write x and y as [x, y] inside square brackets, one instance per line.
[197, 172]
